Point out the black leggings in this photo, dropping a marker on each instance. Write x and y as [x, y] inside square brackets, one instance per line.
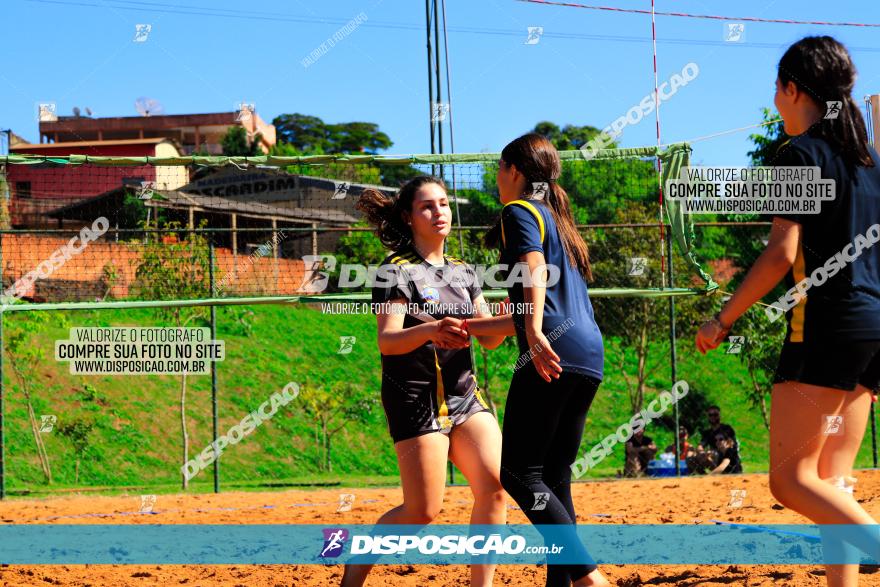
[543, 426]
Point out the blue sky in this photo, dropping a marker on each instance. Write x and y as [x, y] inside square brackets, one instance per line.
[588, 68]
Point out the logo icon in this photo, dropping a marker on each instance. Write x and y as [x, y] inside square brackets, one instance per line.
[346, 344]
[316, 279]
[141, 32]
[832, 109]
[735, 344]
[637, 266]
[737, 498]
[833, 425]
[334, 540]
[244, 111]
[734, 32]
[46, 112]
[439, 110]
[541, 500]
[147, 503]
[539, 190]
[346, 501]
[534, 33]
[145, 190]
[340, 189]
[47, 423]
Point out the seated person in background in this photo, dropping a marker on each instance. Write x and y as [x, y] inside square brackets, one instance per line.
[640, 449]
[728, 455]
[694, 456]
[715, 428]
[685, 447]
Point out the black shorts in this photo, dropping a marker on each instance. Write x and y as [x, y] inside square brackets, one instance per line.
[840, 365]
[414, 414]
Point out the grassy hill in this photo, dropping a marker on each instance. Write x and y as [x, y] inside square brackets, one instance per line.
[136, 441]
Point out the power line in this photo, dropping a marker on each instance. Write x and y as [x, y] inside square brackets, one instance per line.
[724, 132]
[705, 16]
[140, 6]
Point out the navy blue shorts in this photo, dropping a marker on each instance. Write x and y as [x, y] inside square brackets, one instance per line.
[840, 365]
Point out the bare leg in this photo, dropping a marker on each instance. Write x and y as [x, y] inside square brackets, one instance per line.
[797, 440]
[836, 461]
[476, 450]
[422, 463]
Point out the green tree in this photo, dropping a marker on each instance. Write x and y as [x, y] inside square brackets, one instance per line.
[176, 269]
[360, 173]
[760, 353]
[763, 338]
[304, 133]
[568, 137]
[357, 137]
[361, 247]
[235, 143]
[596, 188]
[23, 353]
[311, 135]
[333, 407]
[397, 175]
[768, 143]
[636, 327]
[300, 134]
[77, 431]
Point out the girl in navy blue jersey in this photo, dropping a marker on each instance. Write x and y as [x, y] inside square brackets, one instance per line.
[560, 364]
[830, 361]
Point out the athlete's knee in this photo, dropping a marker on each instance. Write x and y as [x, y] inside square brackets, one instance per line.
[491, 494]
[422, 513]
[784, 488]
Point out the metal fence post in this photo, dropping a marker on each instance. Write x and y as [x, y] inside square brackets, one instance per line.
[213, 364]
[2, 391]
[672, 349]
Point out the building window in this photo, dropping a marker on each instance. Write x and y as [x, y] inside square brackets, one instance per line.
[23, 189]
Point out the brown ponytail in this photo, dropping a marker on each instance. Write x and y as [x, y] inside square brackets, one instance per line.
[823, 68]
[535, 157]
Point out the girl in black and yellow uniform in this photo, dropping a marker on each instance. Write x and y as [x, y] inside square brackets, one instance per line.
[830, 361]
[434, 408]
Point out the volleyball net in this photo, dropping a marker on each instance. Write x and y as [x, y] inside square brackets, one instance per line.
[247, 229]
[147, 243]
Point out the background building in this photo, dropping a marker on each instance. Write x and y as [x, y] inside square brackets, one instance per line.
[193, 132]
[36, 190]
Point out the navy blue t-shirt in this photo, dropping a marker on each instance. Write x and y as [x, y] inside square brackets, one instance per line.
[846, 307]
[528, 225]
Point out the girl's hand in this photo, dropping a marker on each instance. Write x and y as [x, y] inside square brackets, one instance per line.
[710, 335]
[543, 356]
[448, 334]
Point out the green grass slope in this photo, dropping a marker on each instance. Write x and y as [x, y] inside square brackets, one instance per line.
[136, 441]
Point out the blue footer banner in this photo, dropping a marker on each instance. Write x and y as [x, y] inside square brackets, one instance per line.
[175, 544]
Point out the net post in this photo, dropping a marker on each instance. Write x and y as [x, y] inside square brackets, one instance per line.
[672, 351]
[2, 391]
[213, 363]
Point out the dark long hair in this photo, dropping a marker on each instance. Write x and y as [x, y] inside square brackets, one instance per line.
[537, 159]
[386, 213]
[822, 67]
